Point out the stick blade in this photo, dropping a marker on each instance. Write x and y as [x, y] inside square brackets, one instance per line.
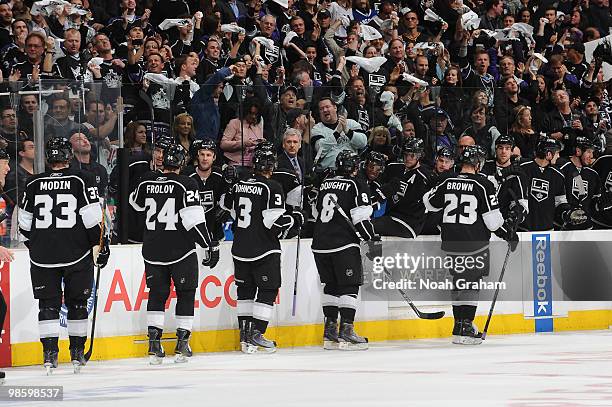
[430, 315]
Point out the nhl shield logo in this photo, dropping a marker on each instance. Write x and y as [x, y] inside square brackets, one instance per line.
[539, 189]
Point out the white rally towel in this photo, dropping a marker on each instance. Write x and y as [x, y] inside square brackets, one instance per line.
[430, 15]
[370, 65]
[369, 33]
[232, 28]
[290, 35]
[413, 79]
[470, 20]
[173, 22]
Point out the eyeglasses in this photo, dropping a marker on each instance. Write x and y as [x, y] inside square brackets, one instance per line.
[34, 46]
[9, 116]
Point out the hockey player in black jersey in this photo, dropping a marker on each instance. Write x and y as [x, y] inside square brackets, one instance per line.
[6, 255]
[210, 184]
[258, 206]
[174, 223]
[406, 212]
[60, 216]
[470, 214]
[582, 186]
[546, 186]
[342, 198]
[371, 173]
[505, 169]
[444, 165]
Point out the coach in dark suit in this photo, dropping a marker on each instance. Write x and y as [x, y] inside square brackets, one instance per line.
[288, 157]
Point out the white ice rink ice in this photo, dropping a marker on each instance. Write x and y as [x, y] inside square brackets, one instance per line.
[541, 370]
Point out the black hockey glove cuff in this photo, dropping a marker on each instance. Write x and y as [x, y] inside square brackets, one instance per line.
[508, 233]
[299, 217]
[374, 248]
[212, 254]
[103, 255]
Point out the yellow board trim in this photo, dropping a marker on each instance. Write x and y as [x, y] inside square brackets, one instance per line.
[119, 347]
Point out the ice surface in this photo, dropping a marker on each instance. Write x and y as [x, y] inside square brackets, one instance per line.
[558, 369]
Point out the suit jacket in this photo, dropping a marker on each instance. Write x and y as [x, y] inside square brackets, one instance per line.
[227, 15]
[284, 163]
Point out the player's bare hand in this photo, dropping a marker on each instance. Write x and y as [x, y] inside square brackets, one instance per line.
[6, 255]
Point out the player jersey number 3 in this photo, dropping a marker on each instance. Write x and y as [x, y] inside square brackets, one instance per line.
[245, 206]
[460, 209]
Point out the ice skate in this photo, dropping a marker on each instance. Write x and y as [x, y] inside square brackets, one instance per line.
[78, 359]
[456, 331]
[469, 334]
[349, 340]
[182, 351]
[330, 335]
[243, 337]
[156, 350]
[258, 343]
[50, 360]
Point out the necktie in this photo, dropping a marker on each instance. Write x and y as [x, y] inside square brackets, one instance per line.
[296, 166]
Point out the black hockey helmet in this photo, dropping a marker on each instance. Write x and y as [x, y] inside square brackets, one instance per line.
[206, 144]
[347, 162]
[473, 155]
[163, 142]
[264, 160]
[546, 145]
[376, 158]
[504, 139]
[413, 145]
[4, 155]
[264, 145]
[58, 150]
[174, 156]
[584, 143]
[446, 153]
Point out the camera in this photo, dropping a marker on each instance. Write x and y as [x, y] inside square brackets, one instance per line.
[137, 42]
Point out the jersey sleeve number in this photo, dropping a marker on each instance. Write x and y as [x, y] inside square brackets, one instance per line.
[460, 209]
[328, 207]
[67, 205]
[167, 214]
[244, 212]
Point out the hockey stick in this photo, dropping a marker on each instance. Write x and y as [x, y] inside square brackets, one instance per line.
[297, 250]
[501, 277]
[420, 314]
[95, 309]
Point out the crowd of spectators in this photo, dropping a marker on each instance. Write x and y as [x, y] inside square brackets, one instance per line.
[357, 75]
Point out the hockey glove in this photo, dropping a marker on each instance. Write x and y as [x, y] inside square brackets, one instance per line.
[513, 169]
[299, 217]
[230, 176]
[508, 233]
[574, 218]
[374, 248]
[103, 255]
[212, 254]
